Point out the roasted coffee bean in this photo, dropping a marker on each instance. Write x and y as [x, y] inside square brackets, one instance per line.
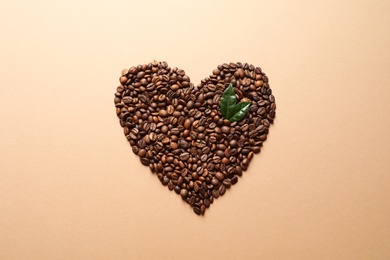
[141, 152]
[177, 129]
[184, 193]
[234, 180]
[140, 75]
[216, 159]
[197, 211]
[187, 123]
[238, 170]
[233, 143]
[214, 182]
[225, 160]
[170, 109]
[225, 129]
[215, 193]
[162, 113]
[152, 136]
[145, 161]
[219, 176]
[227, 183]
[222, 190]
[164, 129]
[184, 156]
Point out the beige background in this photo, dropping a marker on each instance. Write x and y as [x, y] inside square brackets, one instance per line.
[70, 187]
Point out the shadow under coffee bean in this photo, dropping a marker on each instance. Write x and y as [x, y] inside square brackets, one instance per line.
[177, 129]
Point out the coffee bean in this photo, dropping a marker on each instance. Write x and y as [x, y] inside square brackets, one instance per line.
[227, 183]
[187, 123]
[245, 162]
[162, 113]
[184, 193]
[225, 129]
[219, 176]
[222, 190]
[165, 180]
[245, 151]
[140, 75]
[184, 156]
[170, 109]
[233, 143]
[238, 170]
[164, 129]
[175, 87]
[175, 131]
[190, 104]
[216, 159]
[153, 136]
[145, 161]
[197, 211]
[225, 160]
[141, 152]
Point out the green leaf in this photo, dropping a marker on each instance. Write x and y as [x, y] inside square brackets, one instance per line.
[240, 111]
[228, 102]
[230, 110]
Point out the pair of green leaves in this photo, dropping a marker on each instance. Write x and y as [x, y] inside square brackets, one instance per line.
[230, 110]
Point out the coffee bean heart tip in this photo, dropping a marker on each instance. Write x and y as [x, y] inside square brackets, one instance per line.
[178, 131]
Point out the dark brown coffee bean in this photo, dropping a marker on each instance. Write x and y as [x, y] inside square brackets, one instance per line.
[190, 104]
[170, 109]
[197, 211]
[165, 180]
[233, 143]
[175, 131]
[238, 170]
[174, 145]
[145, 161]
[245, 162]
[216, 159]
[184, 156]
[175, 87]
[227, 183]
[177, 189]
[162, 113]
[164, 129]
[234, 180]
[245, 151]
[153, 136]
[140, 75]
[222, 190]
[225, 160]
[219, 176]
[214, 182]
[196, 186]
[215, 193]
[225, 129]
[141, 152]
[184, 193]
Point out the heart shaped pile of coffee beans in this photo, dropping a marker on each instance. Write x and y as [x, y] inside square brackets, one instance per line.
[177, 129]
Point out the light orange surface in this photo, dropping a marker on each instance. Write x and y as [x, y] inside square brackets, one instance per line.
[70, 187]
